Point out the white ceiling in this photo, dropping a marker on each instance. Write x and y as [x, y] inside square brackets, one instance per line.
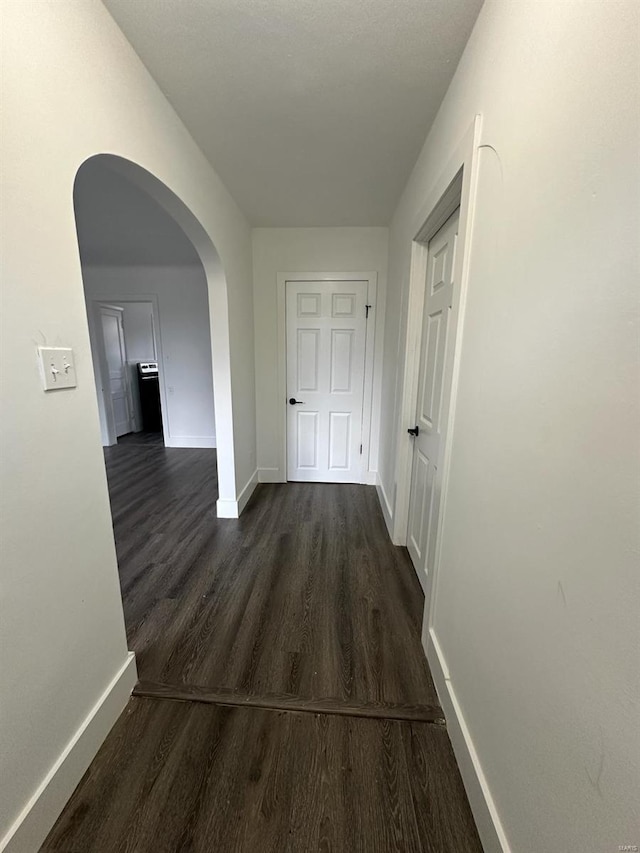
[312, 112]
[120, 225]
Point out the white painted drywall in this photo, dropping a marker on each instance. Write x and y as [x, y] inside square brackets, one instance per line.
[139, 339]
[183, 311]
[119, 224]
[137, 319]
[73, 88]
[536, 608]
[278, 250]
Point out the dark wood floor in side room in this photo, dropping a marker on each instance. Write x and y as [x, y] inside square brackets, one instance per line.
[303, 716]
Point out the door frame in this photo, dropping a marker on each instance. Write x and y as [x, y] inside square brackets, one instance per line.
[367, 476]
[107, 423]
[455, 188]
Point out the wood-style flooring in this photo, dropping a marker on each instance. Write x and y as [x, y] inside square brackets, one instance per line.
[176, 777]
[285, 703]
[304, 594]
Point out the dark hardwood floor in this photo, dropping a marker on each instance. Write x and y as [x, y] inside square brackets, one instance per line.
[304, 594]
[285, 703]
[183, 777]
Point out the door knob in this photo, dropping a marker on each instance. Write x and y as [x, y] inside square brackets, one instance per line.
[294, 402]
[414, 431]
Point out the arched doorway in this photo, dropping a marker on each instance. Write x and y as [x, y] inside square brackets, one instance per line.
[192, 237]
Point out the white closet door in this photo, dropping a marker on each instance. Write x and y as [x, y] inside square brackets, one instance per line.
[326, 339]
[433, 398]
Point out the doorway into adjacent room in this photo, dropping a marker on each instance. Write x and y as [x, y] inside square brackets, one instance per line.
[124, 340]
[437, 293]
[148, 310]
[117, 387]
[433, 395]
[147, 301]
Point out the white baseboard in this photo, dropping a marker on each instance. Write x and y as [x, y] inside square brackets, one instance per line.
[41, 812]
[490, 829]
[270, 475]
[386, 506]
[422, 578]
[227, 509]
[232, 509]
[388, 517]
[190, 441]
[248, 490]
[273, 475]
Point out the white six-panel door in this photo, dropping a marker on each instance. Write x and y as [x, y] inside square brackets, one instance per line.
[116, 361]
[326, 340]
[433, 397]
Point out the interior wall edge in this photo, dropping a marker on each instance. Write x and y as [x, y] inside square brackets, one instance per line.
[233, 508]
[42, 810]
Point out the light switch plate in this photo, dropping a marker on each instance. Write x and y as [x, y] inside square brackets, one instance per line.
[57, 368]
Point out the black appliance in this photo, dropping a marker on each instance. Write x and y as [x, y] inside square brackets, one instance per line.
[149, 387]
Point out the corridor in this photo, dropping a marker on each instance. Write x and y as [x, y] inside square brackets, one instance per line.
[284, 702]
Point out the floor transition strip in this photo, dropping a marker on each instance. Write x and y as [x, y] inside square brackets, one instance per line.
[287, 702]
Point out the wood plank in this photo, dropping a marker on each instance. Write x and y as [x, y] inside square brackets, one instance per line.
[289, 702]
[187, 776]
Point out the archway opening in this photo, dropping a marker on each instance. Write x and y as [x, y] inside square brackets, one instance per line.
[148, 310]
[194, 235]
[153, 284]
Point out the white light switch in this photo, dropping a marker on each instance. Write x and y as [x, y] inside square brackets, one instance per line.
[57, 368]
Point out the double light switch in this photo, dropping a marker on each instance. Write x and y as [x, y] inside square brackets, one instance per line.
[57, 368]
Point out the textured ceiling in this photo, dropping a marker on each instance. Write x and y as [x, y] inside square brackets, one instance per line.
[312, 112]
[120, 225]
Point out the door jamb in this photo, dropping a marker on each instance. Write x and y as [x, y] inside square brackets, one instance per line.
[455, 187]
[366, 474]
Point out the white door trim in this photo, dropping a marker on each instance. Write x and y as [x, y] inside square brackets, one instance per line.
[107, 425]
[455, 187]
[371, 278]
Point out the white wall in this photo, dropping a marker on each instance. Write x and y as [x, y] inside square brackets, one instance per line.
[137, 319]
[139, 338]
[537, 599]
[73, 87]
[306, 250]
[185, 341]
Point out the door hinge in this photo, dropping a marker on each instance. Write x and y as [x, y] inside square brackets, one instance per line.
[361, 449]
[367, 311]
